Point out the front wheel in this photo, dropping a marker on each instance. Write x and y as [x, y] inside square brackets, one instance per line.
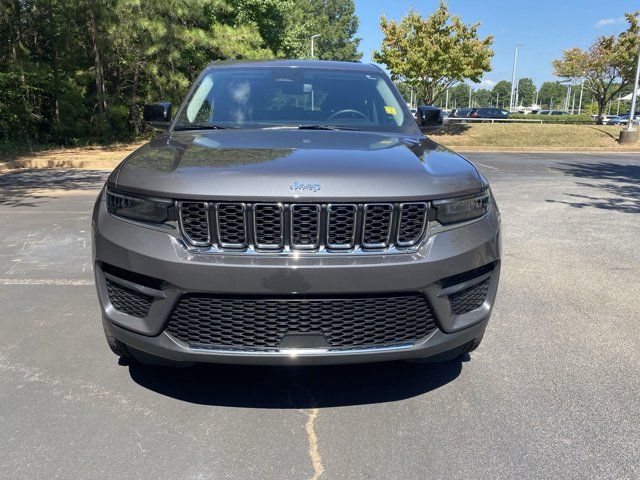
[451, 355]
[116, 346]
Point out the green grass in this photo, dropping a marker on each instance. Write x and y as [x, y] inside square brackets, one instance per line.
[533, 136]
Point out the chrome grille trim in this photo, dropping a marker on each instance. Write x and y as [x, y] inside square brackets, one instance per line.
[236, 227]
[256, 229]
[219, 230]
[354, 225]
[184, 230]
[368, 229]
[418, 237]
[295, 227]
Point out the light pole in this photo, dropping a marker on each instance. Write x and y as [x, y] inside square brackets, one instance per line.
[630, 134]
[580, 102]
[513, 74]
[634, 97]
[313, 37]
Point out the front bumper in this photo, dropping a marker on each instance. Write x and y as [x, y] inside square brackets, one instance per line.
[159, 255]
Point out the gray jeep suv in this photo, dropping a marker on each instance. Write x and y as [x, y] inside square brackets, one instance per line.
[293, 213]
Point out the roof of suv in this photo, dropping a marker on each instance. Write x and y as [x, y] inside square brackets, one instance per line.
[328, 64]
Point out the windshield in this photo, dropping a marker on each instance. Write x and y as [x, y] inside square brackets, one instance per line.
[271, 97]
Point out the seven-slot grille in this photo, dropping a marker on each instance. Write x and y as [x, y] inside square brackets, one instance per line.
[303, 226]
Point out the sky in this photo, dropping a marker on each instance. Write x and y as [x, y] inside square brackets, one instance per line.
[545, 27]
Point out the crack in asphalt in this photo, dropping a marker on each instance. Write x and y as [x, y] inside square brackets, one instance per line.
[312, 438]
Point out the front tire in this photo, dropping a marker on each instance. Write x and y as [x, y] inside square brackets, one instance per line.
[451, 355]
[116, 346]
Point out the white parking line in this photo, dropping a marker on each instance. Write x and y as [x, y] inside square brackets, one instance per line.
[485, 166]
[44, 281]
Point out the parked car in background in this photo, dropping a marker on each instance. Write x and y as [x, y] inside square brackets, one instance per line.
[488, 113]
[460, 112]
[551, 112]
[606, 119]
[620, 120]
[429, 115]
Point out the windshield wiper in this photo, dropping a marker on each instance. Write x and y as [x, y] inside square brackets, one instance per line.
[325, 127]
[212, 126]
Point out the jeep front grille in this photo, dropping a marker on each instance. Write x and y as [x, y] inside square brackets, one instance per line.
[302, 226]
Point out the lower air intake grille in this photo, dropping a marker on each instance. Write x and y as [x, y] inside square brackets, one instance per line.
[128, 301]
[261, 323]
[469, 298]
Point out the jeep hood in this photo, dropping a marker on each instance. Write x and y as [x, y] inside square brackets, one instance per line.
[256, 165]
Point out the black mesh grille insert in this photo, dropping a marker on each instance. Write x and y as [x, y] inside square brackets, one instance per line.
[377, 224]
[268, 225]
[341, 226]
[232, 225]
[412, 221]
[128, 301]
[469, 298]
[261, 323]
[195, 222]
[305, 232]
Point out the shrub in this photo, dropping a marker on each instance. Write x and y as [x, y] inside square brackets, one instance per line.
[566, 119]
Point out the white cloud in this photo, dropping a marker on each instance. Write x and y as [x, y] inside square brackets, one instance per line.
[603, 22]
[487, 83]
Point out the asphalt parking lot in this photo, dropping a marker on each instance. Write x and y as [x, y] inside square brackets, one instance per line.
[551, 393]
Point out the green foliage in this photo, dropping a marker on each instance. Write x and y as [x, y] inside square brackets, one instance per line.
[564, 119]
[502, 93]
[552, 95]
[73, 71]
[526, 92]
[433, 53]
[482, 98]
[606, 67]
[334, 20]
[459, 96]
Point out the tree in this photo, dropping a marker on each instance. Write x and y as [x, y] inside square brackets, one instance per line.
[78, 70]
[482, 98]
[551, 94]
[501, 93]
[435, 53]
[334, 20]
[526, 92]
[459, 95]
[606, 67]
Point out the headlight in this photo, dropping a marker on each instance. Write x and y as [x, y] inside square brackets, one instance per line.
[138, 207]
[459, 209]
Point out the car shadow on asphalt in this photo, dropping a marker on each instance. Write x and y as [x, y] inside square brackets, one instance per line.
[29, 188]
[297, 387]
[621, 183]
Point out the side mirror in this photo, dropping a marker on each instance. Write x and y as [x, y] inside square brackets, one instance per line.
[430, 117]
[157, 115]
